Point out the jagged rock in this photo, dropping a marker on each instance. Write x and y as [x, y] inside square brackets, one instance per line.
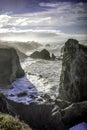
[35, 54]
[73, 79]
[44, 54]
[74, 114]
[10, 68]
[38, 116]
[47, 116]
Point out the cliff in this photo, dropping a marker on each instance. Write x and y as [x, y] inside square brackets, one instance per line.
[10, 68]
[69, 108]
[73, 81]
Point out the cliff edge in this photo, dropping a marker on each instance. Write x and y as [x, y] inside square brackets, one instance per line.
[73, 80]
[10, 68]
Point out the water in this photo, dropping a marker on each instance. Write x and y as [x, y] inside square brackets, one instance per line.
[42, 76]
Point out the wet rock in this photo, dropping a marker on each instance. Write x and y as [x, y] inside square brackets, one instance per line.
[22, 94]
[10, 68]
[53, 57]
[44, 54]
[73, 79]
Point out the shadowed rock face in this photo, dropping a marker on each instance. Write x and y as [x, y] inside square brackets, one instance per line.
[3, 105]
[73, 81]
[10, 68]
[42, 116]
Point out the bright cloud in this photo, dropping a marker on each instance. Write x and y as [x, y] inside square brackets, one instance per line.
[43, 25]
[60, 14]
[41, 36]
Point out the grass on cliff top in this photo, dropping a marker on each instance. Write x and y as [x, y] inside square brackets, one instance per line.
[84, 47]
[8, 122]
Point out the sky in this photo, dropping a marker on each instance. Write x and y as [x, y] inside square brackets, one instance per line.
[42, 20]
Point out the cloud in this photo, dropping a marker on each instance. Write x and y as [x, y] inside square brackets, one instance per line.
[41, 36]
[44, 26]
[60, 14]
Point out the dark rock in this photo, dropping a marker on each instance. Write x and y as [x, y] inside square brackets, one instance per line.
[3, 104]
[44, 54]
[47, 116]
[22, 94]
[53, 57]
[73, 79]
[10, 68]
[47, 45]
[40, 76]
[74, 114]
[62, 104]
[35, 54]
[38, 116]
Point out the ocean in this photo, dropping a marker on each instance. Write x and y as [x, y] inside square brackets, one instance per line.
[41, 76]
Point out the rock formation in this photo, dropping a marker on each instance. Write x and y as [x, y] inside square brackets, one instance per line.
[44, 54]
[73, 79]
[40, 116]
[71, 106]
[10, 68]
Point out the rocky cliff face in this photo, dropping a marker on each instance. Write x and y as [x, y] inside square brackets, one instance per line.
[10, 68]
[73, 81]
[62, 113]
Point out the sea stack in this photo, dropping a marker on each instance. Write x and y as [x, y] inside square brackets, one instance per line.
[10, 67]
[73, 80]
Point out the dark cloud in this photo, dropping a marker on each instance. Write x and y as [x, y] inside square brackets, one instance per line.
[20, 6]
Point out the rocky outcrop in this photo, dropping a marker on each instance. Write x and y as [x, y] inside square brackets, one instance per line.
[62, 113]
[73, 79]
[74, 114]
[10, 68]
[48, 116]
[44, 54]
[40, 116]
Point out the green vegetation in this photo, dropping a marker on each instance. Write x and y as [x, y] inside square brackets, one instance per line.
[8, 122]
[84, 47]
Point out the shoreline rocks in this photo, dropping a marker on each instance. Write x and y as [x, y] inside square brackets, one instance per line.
[70, 108]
